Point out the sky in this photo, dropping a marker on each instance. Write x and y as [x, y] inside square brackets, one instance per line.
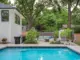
[12, 1]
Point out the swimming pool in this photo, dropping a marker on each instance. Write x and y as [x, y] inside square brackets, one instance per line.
[34, 53]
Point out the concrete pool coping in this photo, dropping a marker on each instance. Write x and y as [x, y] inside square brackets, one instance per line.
[75, 48]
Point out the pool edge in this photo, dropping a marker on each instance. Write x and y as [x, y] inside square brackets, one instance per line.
[74, 48]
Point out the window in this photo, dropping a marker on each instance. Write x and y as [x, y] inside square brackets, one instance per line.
[5, 15]
[17, 19]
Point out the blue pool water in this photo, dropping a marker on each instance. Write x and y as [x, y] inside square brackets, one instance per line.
[38, 54]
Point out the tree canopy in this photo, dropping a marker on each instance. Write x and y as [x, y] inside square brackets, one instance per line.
[48, 15]
[30, 10]
[5, 1]
[50, 20]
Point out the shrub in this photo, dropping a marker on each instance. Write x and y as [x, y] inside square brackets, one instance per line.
[67, 33]
[56, 33]
[31, 36]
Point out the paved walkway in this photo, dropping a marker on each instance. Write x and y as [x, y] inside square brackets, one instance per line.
[2, 46]
[44, 43]
[75, 48]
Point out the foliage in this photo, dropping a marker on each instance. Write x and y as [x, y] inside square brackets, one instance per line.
[47, 19]
[76, 17]
[76, 20]
[77, 29]
[4, 1]
[58, 4]
[24, 22]
[67, 33]
[30, 10]
[31, 36]
[51, 20]
[35, 13]
[56, 33]
[62, 18]
[55, 4]
[71, 4]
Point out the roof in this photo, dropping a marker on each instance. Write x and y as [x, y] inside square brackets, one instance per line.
[5, 6]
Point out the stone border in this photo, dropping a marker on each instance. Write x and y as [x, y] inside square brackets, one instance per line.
[74, 48]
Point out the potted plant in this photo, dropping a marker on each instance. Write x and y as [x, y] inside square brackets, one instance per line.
[4, 40]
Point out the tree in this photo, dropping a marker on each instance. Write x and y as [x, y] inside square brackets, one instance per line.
[51, 20]
[76, 17]
[30, 10]
[71, 4]
[4, 1]
[58, 4]
[46, 21]
[76, 20]
[54, 4]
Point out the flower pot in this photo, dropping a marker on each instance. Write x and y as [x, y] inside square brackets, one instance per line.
[4, 40]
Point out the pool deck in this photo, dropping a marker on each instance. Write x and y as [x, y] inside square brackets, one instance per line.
[73, 47]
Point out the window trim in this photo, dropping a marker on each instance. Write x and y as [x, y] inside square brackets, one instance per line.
[2, 18]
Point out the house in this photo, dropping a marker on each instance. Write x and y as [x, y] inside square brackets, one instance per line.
[10, 23]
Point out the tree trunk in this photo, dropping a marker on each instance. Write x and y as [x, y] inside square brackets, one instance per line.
[69, 14]
[29, 26]
[30, 22]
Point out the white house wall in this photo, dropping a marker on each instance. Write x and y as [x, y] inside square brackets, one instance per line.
[15, 31]
[5, 30]
[9, 29]
[15, 28]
